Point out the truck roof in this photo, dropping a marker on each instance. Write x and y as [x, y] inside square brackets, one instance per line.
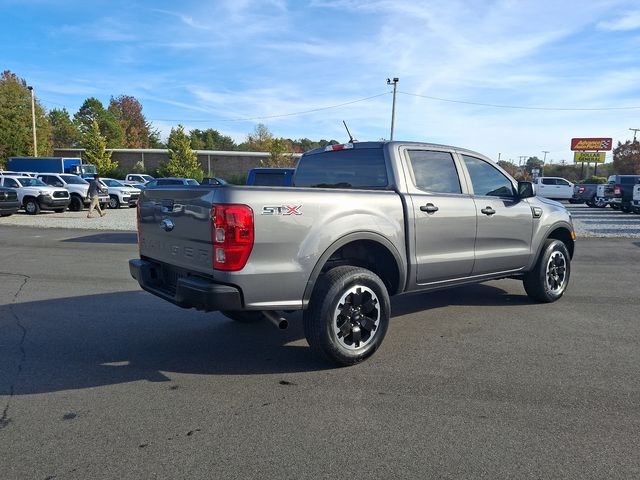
[381, 144]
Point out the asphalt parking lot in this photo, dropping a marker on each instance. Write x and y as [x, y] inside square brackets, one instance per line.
[101, 380]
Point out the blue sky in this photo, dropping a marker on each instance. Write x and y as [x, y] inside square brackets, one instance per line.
[230, 64]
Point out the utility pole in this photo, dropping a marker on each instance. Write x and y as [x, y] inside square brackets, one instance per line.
[545, 155]
[634, 130]
[33, 122]
[393, 107]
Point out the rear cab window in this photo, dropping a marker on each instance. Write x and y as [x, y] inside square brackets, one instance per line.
[361, 167]
[434, 171]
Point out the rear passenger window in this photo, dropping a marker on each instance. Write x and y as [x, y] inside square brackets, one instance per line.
[434, 171]
[11, 183]
[487, 180]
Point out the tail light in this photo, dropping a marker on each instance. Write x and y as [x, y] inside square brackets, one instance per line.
[616, 190]
[231, 236]
[581, 189]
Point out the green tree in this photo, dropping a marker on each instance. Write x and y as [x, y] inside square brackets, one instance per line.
[135, 127]
[533, 162]
[259, 140]
[183, 161]
[16, 134]
[64, 133]
[626, 158]
[279, 154]
[154, 139]
[210, 139]
[95, 151]
[93, 110]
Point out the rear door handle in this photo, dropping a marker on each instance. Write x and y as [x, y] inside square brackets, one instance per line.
[429, 208]
[488, 211]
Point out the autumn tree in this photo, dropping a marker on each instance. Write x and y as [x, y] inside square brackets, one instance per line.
[16, 133]
[136, 129]
[64, 133]
[183, 161]
[626, 158]
[93, 110]
[509, 167]
[95, 151]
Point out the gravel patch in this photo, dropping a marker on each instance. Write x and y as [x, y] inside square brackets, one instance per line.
[122, 219]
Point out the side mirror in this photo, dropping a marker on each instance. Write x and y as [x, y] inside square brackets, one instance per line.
[526, 190]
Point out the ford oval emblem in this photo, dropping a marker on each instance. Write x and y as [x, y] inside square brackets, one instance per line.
[167, 225]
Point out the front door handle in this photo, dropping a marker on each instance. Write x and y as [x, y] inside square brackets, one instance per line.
[429, 208]
[488, 211]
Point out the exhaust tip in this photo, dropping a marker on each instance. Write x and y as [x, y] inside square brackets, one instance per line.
[278, 321]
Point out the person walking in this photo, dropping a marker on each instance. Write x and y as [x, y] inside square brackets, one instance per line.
[94, 196]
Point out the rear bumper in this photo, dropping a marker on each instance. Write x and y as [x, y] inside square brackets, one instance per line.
[187, 291]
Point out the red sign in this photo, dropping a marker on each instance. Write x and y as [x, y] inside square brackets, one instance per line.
[591, 144]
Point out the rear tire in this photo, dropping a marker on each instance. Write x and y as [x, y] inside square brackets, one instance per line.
[348, 315]
[244, 316]
[599, 202]
[548, 279]
[31, 206]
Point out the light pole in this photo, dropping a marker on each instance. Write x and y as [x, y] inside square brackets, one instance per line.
[33, 121]
[393, 108]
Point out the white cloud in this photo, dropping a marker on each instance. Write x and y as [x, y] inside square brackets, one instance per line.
[629, 21]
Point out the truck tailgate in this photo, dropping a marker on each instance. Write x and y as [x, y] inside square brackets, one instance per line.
[175, 226]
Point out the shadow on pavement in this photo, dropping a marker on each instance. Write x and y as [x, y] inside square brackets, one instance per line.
[87, 341]
[110, 237]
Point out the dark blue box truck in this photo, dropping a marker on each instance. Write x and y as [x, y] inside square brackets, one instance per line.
[51, 165]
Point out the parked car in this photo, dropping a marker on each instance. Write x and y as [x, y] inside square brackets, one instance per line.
[555, 188]
[213, 181]
[164, 182]
[365, 221]
[119, 194]
[635, 202]
[619, 191]
[588, 193]
[35, 195]
[274, 177]
[9, 203]
[77, 186]
[138, 178]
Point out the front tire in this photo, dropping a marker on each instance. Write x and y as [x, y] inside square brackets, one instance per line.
[31, 206]
[548, 279]
[114, 202]
[76, 204]
[600, 202]
[348, 315]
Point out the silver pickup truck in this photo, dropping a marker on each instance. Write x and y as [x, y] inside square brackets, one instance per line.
[362, 222]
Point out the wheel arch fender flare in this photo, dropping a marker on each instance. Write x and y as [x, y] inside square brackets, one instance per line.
[561, 227]
[341, 242]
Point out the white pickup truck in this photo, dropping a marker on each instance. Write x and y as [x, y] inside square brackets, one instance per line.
[555, 188]
[635, 202]
[35, 195]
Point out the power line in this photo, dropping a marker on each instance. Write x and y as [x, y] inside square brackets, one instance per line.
[519, 107]
[266, 117]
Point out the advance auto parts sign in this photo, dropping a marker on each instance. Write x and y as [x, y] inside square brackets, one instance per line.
[591, 143]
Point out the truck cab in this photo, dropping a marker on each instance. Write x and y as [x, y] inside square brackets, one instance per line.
[555, 188]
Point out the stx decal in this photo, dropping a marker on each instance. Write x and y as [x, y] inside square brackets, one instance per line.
[282, 210]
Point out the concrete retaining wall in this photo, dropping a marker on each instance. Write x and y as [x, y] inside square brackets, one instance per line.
[214, 163]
